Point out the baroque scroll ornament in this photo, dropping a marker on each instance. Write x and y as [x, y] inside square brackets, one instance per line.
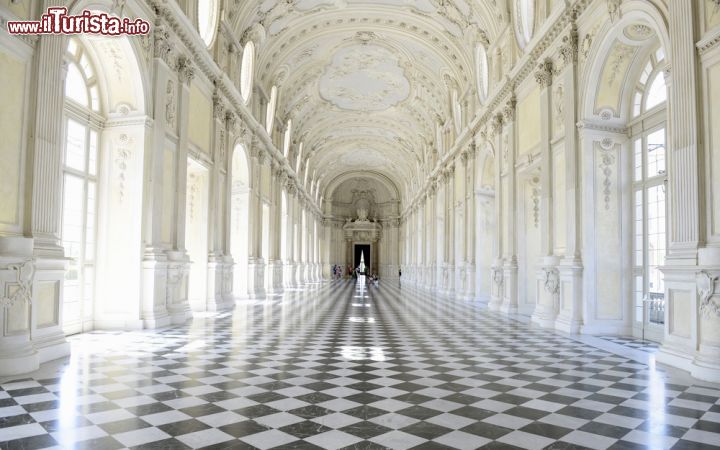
[24, 275]
[709, 306]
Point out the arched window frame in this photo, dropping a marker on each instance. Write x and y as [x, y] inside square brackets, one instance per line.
[482, 67]
[270, 113]
[524, 21]
[287, 139]
[247, 71]
[208, 14]
[649, 195]
[654, 68]
[82, 125]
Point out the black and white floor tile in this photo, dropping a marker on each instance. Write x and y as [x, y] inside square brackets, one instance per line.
[340, 365]
[632, 342]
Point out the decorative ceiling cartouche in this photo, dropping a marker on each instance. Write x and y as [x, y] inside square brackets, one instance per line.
[364, 78]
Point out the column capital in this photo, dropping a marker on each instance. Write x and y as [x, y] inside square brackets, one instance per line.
[218, 107]
[544, 73]
[185, 69]
[508, 112]
[569, 49]
[163, 48]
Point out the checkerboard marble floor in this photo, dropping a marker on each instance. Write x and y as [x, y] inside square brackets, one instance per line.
[340, 365]
[628, 341]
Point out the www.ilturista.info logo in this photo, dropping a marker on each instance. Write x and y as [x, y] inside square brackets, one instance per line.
[57, 21]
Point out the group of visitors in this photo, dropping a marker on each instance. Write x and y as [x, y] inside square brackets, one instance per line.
[337, 272]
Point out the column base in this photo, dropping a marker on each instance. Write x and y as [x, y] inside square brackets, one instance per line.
[256, 279]
[23, 359]
[509, 296]
[497, 282]
[569, 319]
[698, 367]
[275, 269]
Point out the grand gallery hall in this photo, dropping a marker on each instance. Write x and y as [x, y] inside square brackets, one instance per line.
[360, 224]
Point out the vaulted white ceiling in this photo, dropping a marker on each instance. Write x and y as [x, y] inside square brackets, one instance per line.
[366, 82]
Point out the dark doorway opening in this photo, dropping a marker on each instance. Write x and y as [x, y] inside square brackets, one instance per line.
[362, 249]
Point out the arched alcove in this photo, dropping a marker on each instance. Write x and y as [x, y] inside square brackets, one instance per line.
[102, 182]
[625, 156]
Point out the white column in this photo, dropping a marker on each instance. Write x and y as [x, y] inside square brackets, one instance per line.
[256, 263]
[497, 273]
[569, 317]
[548, 282]
[510, 266]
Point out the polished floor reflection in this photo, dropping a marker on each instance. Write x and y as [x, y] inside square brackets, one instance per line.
[341, 365]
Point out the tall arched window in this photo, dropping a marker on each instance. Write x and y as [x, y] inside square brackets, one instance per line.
[524, 21]
[299, 158]
[207, 14]
[287, 138]
[270, 113]
[649, 190]
[457, 111]
[483, 72]
[247, 68]
[80, 171]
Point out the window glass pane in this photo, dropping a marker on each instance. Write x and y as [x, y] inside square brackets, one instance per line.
[207, 20]
[638, 294]
[657, 93]
[90, 222]
[288, 135]
[72, 224]
[92, 157]
[72, 46]
[656, 153]
[659, 54]
[645, 74]
[638, 160]
[86, 67]
[75, 87]
[299, 158]
[270, 113]
[246, 70]
[88, 290]
[75, 145]
[638, 239]
[483, 75]
[656, 238]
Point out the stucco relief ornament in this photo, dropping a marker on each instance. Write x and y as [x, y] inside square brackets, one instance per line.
[558, 105]
[498, 277]
[544, 72]
[551, 283]
[569, 49]
[185, 70]
[613, 7]
[170, 103]
[24, 275]
[586, 45]
[122, 155]
[175, 275]
[607, 160]
[709, 306]
[162, 45]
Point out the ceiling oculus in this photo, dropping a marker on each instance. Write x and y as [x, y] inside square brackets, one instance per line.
[364, 78]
